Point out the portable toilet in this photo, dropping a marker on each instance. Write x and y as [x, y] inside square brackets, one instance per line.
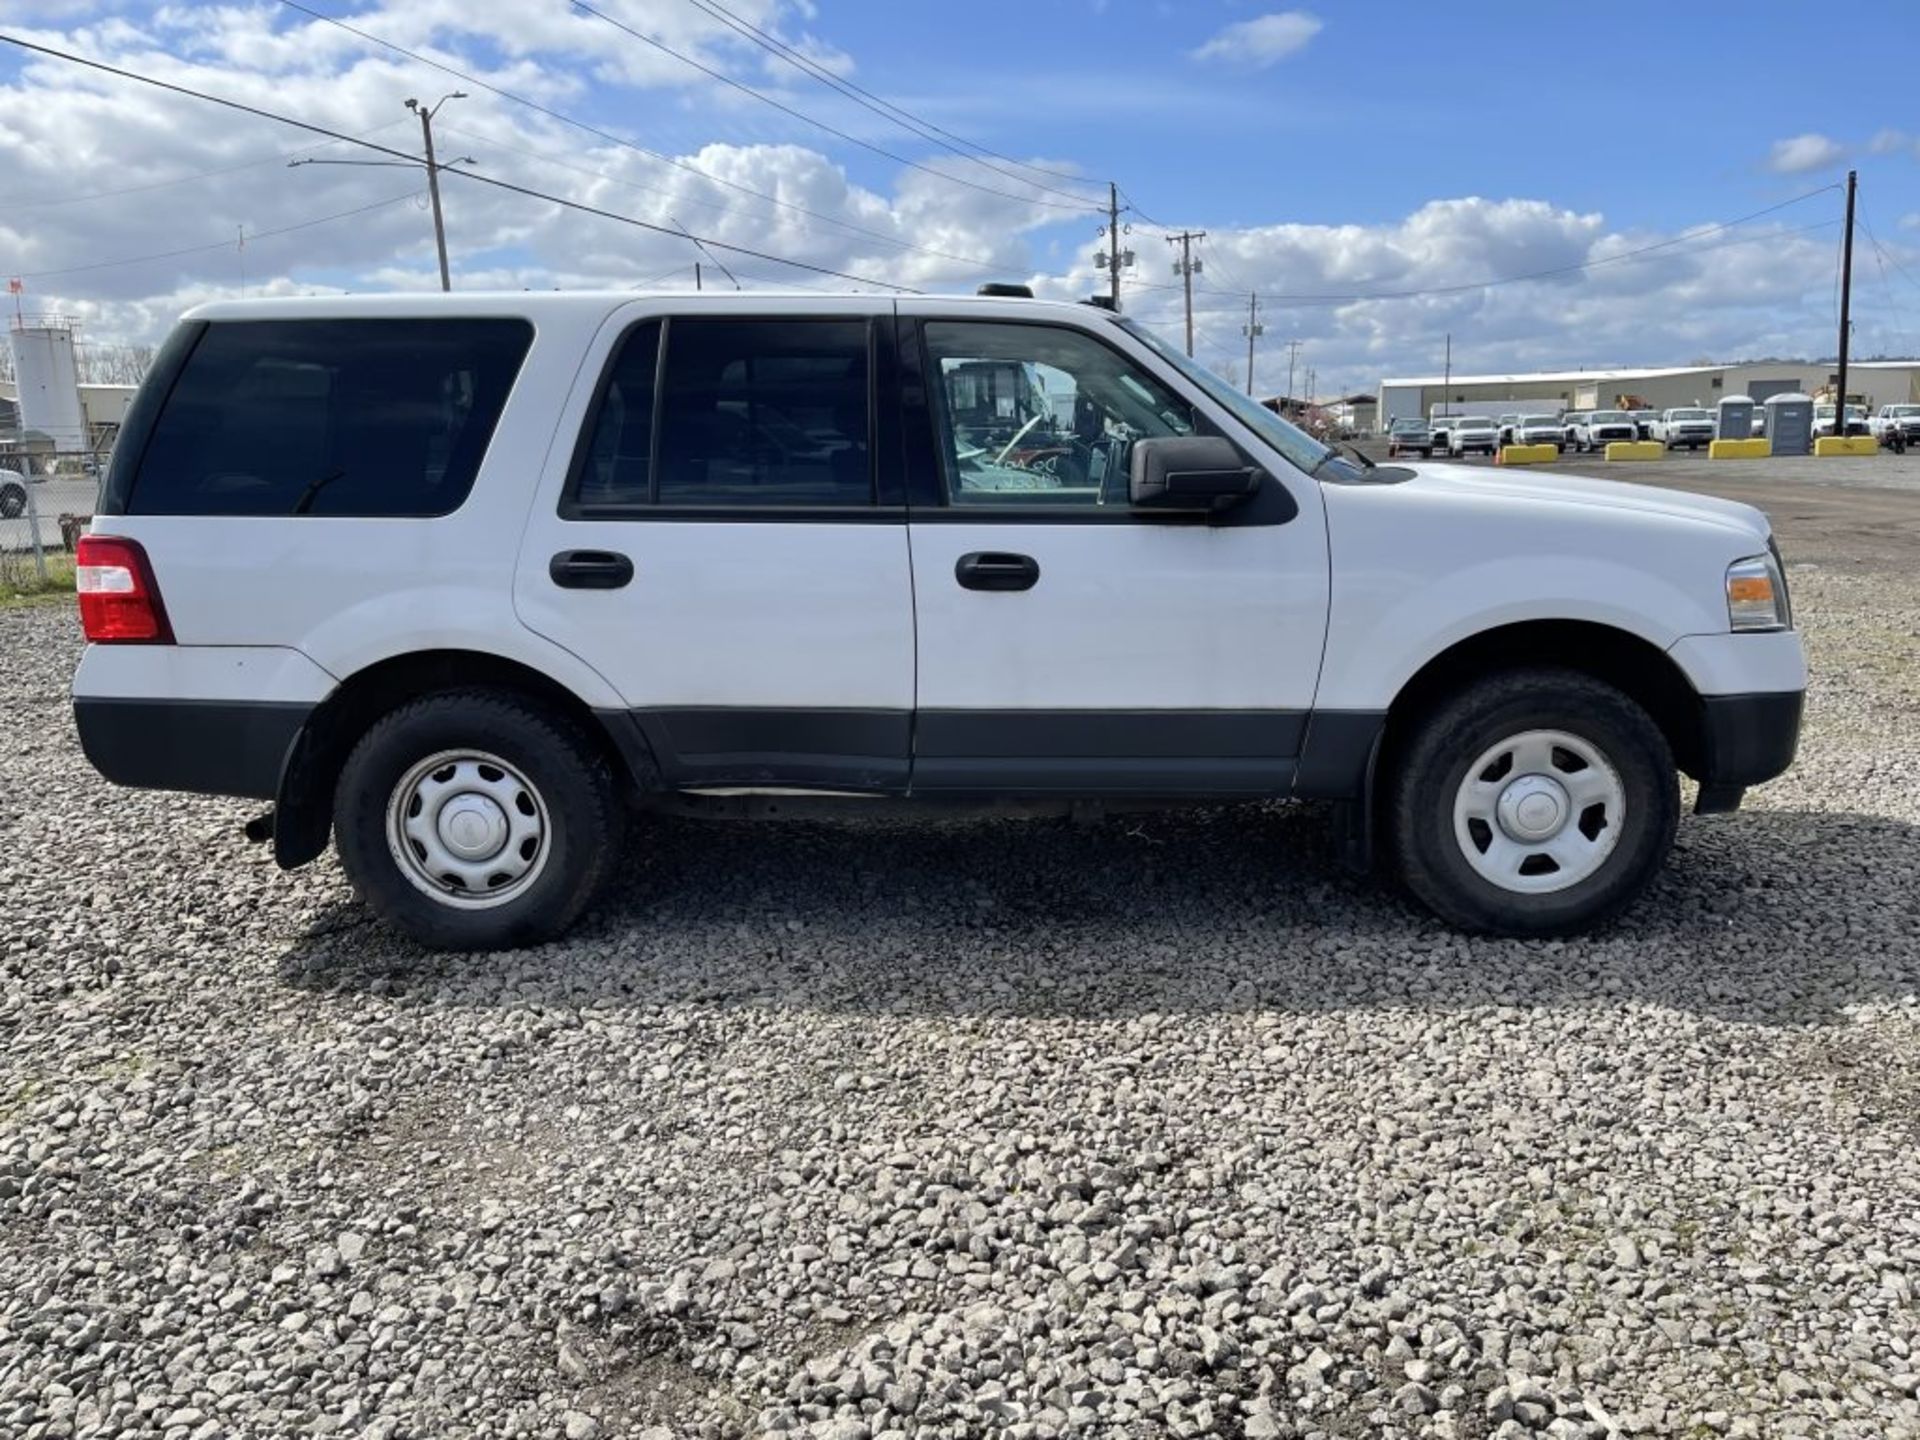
[1735, 418]
[1790, 424]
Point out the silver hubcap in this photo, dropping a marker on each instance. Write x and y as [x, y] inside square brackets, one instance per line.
[1539, 811]
[468, 829]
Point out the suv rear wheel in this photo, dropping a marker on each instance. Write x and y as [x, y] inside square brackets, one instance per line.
[1538, 802]
[476, 820]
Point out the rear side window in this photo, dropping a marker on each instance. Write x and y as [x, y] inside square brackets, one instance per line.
[765, 412]
[616, 467]
[743, 414]
[328, 417]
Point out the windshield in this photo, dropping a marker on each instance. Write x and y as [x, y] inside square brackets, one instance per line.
[1903, 411]
[1609, 417]
[1406, 424]
[1300, 448]
[1479, 422]
[1688, 415]
[1532, 421]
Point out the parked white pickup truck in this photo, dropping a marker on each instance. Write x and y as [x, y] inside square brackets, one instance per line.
[1601, 428]
[1690, 426]
[1468, 433]
[1539, 430]
[1823, 421]
[1896, 426]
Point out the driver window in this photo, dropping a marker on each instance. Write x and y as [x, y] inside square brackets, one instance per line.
[1038, 414]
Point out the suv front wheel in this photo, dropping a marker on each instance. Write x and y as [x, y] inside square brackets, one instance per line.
[476, 820]
[1538, 802]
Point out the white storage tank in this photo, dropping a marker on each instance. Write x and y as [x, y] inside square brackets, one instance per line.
[43, 364]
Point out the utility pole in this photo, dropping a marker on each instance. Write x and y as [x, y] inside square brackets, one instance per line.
[1846, 305]
[1115, 257]
[426, 114]
[1254, 330]
[1186, 267]
[1293, 353]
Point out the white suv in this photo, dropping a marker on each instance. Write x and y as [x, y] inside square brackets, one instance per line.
[469, 581]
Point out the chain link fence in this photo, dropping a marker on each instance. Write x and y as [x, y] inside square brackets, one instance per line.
[46, 499]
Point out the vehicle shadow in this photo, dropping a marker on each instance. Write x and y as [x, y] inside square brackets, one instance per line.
[1769, 917]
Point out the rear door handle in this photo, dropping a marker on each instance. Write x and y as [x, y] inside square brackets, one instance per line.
[590, 569]
[996, 570]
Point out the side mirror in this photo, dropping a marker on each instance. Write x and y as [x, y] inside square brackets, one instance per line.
[1189, 472]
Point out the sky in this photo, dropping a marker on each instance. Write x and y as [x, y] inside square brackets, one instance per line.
[1548, 188]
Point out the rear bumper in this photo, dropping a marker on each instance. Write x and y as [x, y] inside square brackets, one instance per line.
[210, 747]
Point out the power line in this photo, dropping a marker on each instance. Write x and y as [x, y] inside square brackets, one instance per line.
[1888, 255]
[656, 279]
[1883, 259]
[252, 238]
[1134, 205]
[785, 109]
[547, 157]
[886, 109]
[184, 179]
[850, 87]
[467, 175]
[596, 131]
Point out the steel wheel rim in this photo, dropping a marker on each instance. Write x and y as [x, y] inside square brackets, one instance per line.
[468, 829]
[1539, 811]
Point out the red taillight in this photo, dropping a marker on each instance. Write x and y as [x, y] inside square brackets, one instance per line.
[119, 602]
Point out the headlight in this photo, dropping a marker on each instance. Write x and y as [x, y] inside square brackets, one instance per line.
[1757, 595]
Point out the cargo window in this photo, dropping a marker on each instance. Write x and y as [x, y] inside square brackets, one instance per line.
[328, 417]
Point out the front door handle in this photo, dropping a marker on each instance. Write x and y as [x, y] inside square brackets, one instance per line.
[996, 570]
[590, 569]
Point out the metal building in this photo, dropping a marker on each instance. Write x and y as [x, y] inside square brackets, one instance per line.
[1881, 382]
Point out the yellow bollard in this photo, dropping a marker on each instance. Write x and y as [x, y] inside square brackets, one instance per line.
[1526, 454]
[1758, 449]
[1635, 450]
[1846, 445]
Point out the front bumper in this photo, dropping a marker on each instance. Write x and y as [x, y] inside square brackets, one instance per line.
[1746, 739]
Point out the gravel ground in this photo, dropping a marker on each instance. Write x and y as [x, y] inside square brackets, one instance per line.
[1162, 1127]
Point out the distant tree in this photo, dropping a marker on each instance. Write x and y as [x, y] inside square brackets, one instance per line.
[113, 364]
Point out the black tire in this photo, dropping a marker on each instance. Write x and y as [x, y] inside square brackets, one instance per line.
[583, 819]
[1433, 765]
[13, 502]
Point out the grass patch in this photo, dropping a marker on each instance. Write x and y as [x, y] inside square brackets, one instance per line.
[21, 583]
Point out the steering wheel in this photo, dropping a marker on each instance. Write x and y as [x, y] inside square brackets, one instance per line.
[1020, 435]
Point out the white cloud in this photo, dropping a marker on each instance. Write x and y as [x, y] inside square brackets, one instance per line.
[1885, 142]
[1262, 41]
[1801, 153]
[66, 135]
